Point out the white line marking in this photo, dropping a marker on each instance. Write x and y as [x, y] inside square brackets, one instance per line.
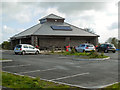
[37, 70]
[16, 66]
[63, 57]
[69, 76]
[65, 83]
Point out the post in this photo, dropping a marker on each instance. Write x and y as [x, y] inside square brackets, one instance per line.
[34, 40]
[20, 41]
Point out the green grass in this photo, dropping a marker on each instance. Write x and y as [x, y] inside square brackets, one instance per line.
[112, 87]
[115, 86]
[16, 81]
[85, 54]
[2, 59]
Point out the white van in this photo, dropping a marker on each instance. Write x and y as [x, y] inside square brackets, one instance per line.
[25, 48]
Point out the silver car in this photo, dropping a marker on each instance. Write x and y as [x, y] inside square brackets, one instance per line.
[25, 48]
[85, 47]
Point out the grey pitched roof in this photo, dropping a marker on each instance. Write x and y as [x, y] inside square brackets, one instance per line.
[52, 16]
[45, 29]
[28, 31]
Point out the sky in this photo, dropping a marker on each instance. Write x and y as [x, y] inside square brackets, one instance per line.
[102, 17]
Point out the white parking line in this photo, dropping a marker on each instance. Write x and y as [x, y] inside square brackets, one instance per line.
[16, 66]
[63, 57]
[37, 70]
[74, 85]
[69, 76]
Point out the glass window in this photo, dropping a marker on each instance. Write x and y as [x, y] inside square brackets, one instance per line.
[31, 47]
[25, 46]
[18, 46]
[110, 45]
[102, 45]
[89, 45]
[82, 45]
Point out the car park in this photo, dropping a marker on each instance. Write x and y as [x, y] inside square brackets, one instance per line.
[85, 47]
[106, 48]
[26, 49]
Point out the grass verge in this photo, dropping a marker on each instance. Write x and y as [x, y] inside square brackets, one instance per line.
[15, 81]
[112, 87]
[86, 55]
[115, 86]
[2, 59]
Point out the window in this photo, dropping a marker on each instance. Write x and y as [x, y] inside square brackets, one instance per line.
[43, 21]
[89, 45]
[18, 46]
[102, 45]
[110, 45]
[82, 45]
[25, 46]
[61, 28]
[31, 47]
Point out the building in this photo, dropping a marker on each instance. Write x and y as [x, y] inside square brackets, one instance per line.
[54, 31]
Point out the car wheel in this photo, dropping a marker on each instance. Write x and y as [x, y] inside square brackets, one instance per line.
[23, 53]
[106, 51]
[97, 50]
[16, 53]
[75, 50]
[36, 52]
[113, 51]
[83, 50]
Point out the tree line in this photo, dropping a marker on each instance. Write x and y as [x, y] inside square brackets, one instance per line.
[114, 41]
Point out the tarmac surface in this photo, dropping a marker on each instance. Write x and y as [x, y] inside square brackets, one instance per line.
[64, 70]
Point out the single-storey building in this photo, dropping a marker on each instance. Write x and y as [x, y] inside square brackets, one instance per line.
[54, 31]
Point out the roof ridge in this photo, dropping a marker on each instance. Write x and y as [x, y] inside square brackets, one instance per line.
[80, 28]
[37, 29]
[47, 16]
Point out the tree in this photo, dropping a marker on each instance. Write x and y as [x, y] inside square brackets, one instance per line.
[89, 30]
[113, 41]
[5, 45]
[119, 44]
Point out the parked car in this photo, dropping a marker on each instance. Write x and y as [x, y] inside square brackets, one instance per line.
[26, 48]
[106, 48]
[85, 47]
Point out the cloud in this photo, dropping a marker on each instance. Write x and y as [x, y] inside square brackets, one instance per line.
[113, 26]
[54, 11]
[16, 11]
[100, 16]
[8, 32]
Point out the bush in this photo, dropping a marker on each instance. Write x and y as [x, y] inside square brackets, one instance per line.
[73, 51]
[6, 45]
[102, 54]
[52, 51]
[94, 54]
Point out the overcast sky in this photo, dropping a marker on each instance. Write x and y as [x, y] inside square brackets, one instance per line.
[102, 17]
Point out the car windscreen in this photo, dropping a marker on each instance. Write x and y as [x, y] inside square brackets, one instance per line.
[82, 45]
[89, 45]
[18, 46]
[110, 45]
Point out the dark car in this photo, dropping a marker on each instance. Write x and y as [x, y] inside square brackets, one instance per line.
[106, 48]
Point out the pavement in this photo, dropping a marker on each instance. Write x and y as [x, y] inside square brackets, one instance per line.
[65, 70]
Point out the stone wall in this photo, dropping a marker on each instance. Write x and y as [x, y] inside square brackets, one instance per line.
[61, 42]
[54, 41]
